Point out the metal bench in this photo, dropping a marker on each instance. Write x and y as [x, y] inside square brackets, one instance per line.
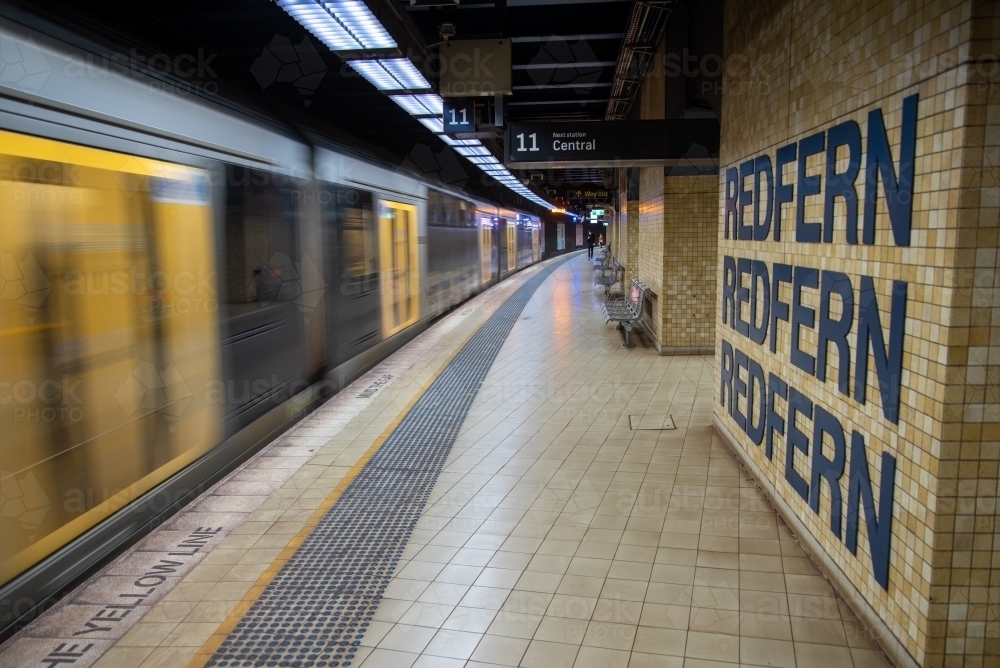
[603, 257]
[617, 276]
[627, 311]
[603, 263]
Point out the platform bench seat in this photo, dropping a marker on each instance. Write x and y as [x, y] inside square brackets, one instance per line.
[608, 281]
[603, 257]
[628, 311]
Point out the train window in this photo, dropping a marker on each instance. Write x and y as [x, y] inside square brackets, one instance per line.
[399, 278]
[447, 211]
[467, 214]
[433, 208]
[261, 266]
[359, 246]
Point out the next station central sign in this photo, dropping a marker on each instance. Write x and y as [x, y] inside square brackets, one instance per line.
[612, 143]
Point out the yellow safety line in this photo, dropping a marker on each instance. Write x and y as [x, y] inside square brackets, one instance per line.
[212, 645]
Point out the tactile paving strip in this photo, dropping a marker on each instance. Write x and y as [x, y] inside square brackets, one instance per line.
[317, 608]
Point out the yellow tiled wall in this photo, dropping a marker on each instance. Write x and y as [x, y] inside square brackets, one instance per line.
[675, 244]
[691, 211]
[795, 68]
[650, 252]
[631, 244]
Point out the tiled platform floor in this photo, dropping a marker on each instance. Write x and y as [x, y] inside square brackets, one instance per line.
[556, 535]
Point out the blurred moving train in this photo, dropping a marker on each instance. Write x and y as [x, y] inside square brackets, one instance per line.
[178, 277]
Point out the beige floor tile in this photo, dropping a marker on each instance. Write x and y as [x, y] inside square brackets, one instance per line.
[427, 661]
[146, 634]
[576, 607]
[407, 638]
[610, 635]
[527, 602]
[473, 620]
[561, 630]
[514, 624]
[539, 582]
[869, 658]
[599, 657]
[542, 654]
[652, 640]
[500, 650]
[124, 657]
[766, 652]
[168, 657]
[777, 627]
[821, 631]
[713, 620]
[713, 646]
[384, 658]
[426, 614]
[453, 644]
[625, 590]
[581, 585]
[808, 655]
[639, 660]
[811, 605]
[618, 611]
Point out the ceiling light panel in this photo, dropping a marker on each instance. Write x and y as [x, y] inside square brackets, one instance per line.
[375, 74]
[405, 73]
[411, 105]
[342, 25]
[432, 103]
[390, 74]
[433, 124]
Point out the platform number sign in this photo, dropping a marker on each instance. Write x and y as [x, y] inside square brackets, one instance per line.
[531, 145]
[459, 115]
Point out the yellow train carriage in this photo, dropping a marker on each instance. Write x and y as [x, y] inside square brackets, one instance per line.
[108, 336]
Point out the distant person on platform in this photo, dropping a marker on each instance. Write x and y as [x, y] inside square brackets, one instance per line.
[590, 244]
[600, 240]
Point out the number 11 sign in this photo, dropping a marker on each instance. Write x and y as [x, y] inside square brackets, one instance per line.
[459, 115]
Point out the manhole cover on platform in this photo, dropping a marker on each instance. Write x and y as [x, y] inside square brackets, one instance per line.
[651, 421]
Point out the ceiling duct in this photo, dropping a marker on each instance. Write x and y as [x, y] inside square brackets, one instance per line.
[645, 28]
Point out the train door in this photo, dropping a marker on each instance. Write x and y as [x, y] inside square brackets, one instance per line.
[108, 334]
[487, 250]
[353, 304]
[398, 266]
[511, 245]
[501, 232]
[535, 256]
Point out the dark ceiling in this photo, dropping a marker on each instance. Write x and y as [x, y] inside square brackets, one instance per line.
[564, 55]
[563, 52]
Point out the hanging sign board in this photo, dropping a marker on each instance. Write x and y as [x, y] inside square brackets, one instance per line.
[475, 68]
[459, 115]
[613, 143]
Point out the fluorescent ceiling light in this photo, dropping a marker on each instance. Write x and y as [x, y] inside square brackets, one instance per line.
[483, 160]
[375, 74]
[405, 72]
[409, 104]
[432, 124]
[459, 142]
[420, 105]
[390, 74]
[343, 25]
[432, 103]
